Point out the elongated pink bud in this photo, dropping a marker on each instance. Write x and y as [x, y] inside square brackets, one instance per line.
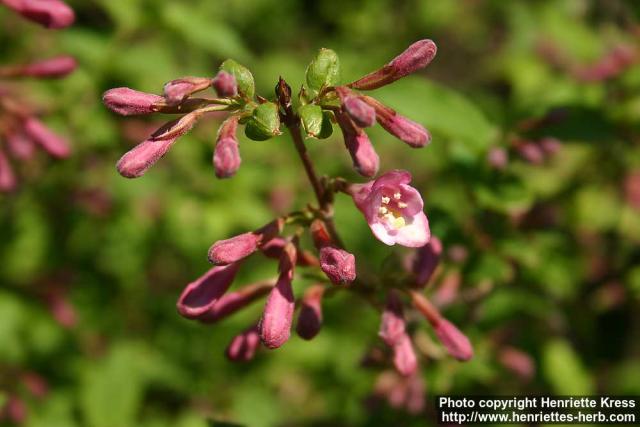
[365, 159]
[456, 343]
[135, 162]
[236, 248]
[35, 384]
[310, 317]
[243, 346]
[226, 157]
[8, 180]
[497, 158]
[361, 113]
[43, 136]
[232, 302]
[426, 261]
[415, 57]
[225, 85]
[275, 324]
[404, 356]
[53, 67]
[48, 13]
[19, 145]
[448, 289]
[531, 152]
[16, 410]
[177, 128]
[129, 102]
[408, 131]
[518, 362]
[178, 90]
[202, 294]
[550, 145]
[392, 326]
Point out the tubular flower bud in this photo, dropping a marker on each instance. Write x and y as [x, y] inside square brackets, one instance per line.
[202, 294]
[414, 58]
[54, 67]
[275, 324]
[456, 343]
[550, 145]
[243, 346]
[426, 261]
[7, 177]
[20, 146]
[392, 326]
[43, 136]
[408, 131]
[135, 162]
[50, 13]
[128, 102]
[393, 209]
[361, 113]
[338, 264]
[236, 248]
[365, 159]
[531, 152]
[497, 157]
[518, 362]
[226, 157]
[231, 302]
[404, 356]
[310, 317]
[225, 85]
[178, 90]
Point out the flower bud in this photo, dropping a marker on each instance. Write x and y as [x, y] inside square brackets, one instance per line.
[242, 75]
[426, 261]
[632, 189]
[178, 90]
[323, 71]
[35, 384]
[54, 67]
[275, 324]
[311, 117]
[243, 346]
[448, 289]
[362, 114]
[61, 308]
[392, 326]
[497, 157]
[135, 162]
[16, 410]
[338, 264]
[128, 102]
[7, 178]
[404, 356]
[226, 156]
[408, 131]
[310, 317]
[236, 248]
[202, 294]
[456, 343]
[364, 157]
[518, 362]
[264, 123]
[225, 85]
[43, 136]
[531, 152]
[231, 302]
[274, 247]
[51, 13]
[19, 145]
[415, 57]
[177, 128]
[550, 145]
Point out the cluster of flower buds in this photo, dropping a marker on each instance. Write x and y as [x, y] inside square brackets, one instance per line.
[21, 131]
[535, 152]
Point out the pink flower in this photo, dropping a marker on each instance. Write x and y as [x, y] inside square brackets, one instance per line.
[231, 302]
[243, 346]
[202, 294]
[456, 343]
[404, 356]
[408, 131]
[7, 177]
[393, 209]
[226, 157]
[365, 159]
[310, 317]
[426, 261]
[128, 102]
[178, 90]
[49, 13]
[43, 136]
[277, 317]
[54, 67]
[225, 85]
[135, 162]
[236, 248]
[392, 326]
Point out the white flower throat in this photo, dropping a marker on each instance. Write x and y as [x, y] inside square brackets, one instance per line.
[391, 210]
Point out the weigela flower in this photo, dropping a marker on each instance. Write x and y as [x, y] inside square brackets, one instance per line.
[178, 90]
[392, 325]
[456, 343]
[365, 159]
[404, 356]
[236, 248]
[225, 85]
[243, 346]
[393, 209]
[338, 264]
[231, 302]
[226, 156]
[48, 13]
[310, 317]
[128, 102]
[408, 131]
[202, 294]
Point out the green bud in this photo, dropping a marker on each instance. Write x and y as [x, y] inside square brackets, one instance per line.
[327, 125]
[311, 117]
[244, 78]
[324, 70]
[264, 123]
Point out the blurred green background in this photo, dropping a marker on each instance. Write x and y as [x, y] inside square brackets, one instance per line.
[552, 263]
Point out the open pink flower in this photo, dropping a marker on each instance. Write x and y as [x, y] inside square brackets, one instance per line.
[393, 209]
